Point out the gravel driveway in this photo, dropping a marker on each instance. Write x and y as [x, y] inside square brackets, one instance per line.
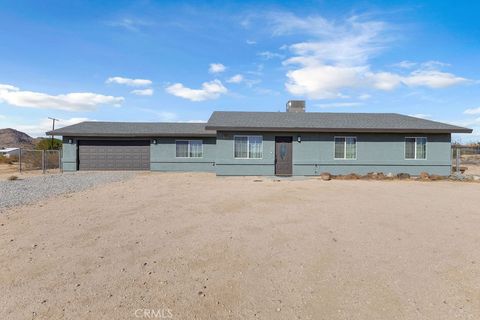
[31, 189]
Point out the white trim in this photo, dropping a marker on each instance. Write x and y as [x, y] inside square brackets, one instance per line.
[344, 148]
[188, 149]
[248, 146]
[415, 155]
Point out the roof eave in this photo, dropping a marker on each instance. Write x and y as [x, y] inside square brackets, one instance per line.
[127, 135]
[369, 130]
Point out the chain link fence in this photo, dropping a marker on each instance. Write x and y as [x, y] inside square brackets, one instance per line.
[47, 161]
[465, 158]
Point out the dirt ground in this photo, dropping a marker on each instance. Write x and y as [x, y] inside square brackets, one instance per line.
[194, 246]
[472, 169]
[7, 170]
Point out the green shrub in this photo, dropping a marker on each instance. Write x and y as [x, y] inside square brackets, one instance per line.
[46, 144]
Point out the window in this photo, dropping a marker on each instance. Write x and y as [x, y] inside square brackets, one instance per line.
[248, 147]
[189, 148]
[415, 148]
[345, 148]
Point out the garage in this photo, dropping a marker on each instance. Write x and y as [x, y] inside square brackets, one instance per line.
[114, 155]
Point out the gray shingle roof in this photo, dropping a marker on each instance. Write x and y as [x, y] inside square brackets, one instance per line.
[328, 122]
[134, 129]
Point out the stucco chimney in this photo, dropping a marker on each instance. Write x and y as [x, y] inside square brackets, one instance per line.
[296, 106]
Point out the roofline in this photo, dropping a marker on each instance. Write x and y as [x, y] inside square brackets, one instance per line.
[371, 130]
[126, 135]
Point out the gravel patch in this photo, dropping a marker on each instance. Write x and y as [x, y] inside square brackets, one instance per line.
[32, 189]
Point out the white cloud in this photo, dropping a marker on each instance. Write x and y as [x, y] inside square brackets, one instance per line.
[210, 90]
[235, 79]
[472, 111]
[251, 42]
[267, 55]
[2, 116]
[421, 115]
[195, 121]
[77, 101]
[168, 116]
[322, 81]
[216, 68]
[142, 92]
[338, 56]
[432, 78]
[405, 64]
[129, 82]
[364, 96]
[44, 125]
[339, 105]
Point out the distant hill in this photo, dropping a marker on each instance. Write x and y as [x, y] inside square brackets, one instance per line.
[14, 138]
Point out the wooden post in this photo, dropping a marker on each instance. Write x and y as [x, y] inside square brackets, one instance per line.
[457, 162]
[20, 160]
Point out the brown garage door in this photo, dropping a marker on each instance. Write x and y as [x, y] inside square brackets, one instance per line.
[114, 155]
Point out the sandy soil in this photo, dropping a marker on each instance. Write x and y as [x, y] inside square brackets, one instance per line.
[7, 170]
[472, 169]
[193, 246]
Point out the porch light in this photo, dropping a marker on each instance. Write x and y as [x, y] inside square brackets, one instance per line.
[154, 141]
[299, 138]
[70, 141]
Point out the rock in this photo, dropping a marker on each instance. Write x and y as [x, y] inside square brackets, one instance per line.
[390, 175]
[424, 175]
[325, 176]
[476, 178]
[403, 176]
[374, 176]
[457, 177]
[436, 177]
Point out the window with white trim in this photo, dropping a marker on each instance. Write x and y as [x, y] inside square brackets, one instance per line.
[189, 148]
[416, 148]
[345, 148]
[248, 147]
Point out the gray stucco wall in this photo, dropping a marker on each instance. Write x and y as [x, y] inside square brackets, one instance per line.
[162, 156]
[315, 154]
[69, 154]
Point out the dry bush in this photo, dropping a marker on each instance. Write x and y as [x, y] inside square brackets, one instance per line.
[4, 159]
[350, 176]
[12, 178]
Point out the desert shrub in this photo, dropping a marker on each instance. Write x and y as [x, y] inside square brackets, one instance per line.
[46, 144]
[12, 178]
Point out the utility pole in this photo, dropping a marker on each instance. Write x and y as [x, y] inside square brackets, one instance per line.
[53, 129]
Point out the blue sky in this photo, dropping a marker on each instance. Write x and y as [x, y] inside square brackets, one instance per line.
[179, 61]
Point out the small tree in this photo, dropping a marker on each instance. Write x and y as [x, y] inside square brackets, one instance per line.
[46, 144]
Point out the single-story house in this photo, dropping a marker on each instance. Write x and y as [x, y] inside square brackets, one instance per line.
[294, 142]
[8, 152]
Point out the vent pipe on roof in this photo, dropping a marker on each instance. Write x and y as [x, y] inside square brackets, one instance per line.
[296, 106]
